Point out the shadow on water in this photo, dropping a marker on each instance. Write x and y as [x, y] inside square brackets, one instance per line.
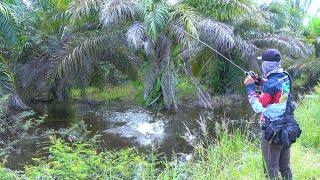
[124, 125]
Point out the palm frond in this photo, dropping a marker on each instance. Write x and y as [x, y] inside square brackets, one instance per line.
[156, 17]
[81, 8]
[187, 17]
[7, 29]
[219, 35]
[230, 9]
[184, 19]
[149, 47]
[248, 23]
[287, 45]
[122, 61]
[116, 12]
[136, 35]
[88, 49]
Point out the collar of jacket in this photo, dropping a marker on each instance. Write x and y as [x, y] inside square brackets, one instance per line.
[271, 75]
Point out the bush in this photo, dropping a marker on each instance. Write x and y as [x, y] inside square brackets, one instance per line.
[81, 161]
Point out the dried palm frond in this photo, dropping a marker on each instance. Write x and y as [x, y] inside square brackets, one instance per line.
[150, 80]
[149, 47]
[168, 75]
[136, 35]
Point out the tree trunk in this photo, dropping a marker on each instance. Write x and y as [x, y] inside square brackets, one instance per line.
[161, 69]
[16, 103]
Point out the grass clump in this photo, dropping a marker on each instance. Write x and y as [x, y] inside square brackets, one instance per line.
[232, 157]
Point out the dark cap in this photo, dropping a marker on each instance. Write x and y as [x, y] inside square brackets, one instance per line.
[270, 55]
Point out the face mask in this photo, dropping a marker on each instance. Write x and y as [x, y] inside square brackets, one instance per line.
[270, 66]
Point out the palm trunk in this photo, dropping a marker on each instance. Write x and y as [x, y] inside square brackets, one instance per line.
[161, 68]
[16, 103]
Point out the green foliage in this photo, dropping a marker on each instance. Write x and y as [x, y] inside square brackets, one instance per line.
[233, 156]
[185, 90]
[127, 91]
[7, 26]
[6, 78]
[314, 26]
[81, 161]
[7, 174]
[156, 16]
[308, 117]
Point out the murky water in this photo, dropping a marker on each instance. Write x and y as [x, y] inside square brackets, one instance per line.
[125, 125]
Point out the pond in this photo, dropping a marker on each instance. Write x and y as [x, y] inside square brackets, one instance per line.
[124, 125]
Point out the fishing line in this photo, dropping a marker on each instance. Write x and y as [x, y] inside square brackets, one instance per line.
[216, 51]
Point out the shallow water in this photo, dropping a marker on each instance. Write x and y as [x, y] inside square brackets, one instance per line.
[124, 125]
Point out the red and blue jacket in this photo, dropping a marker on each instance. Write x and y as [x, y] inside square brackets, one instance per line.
[272, 101]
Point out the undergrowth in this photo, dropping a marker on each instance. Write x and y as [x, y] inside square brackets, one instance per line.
[128, 91]
[131, 91]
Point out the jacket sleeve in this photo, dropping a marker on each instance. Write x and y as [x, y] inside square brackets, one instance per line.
[258, 102]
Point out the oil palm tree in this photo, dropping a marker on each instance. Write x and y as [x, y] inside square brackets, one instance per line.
[160, 30]
[160, 33]
[78, 34]
[8, 40]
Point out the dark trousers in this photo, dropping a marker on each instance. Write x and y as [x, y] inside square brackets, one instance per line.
[276, 158]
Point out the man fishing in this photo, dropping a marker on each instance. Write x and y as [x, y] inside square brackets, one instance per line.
[272, 104]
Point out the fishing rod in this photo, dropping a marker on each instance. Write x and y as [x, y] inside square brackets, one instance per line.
[248, 73]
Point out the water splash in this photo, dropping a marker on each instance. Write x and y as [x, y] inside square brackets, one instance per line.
[139, 125]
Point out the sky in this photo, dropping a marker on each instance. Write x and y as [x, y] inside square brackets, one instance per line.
[313, 9]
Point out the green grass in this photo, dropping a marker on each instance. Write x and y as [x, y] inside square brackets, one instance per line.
[308, 115]
[129, 91]
[185, 90]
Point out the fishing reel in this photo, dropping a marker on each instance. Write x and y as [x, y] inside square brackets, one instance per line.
[252, 74]
[258, 79]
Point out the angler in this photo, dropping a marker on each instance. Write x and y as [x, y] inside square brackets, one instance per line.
[276, 105]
